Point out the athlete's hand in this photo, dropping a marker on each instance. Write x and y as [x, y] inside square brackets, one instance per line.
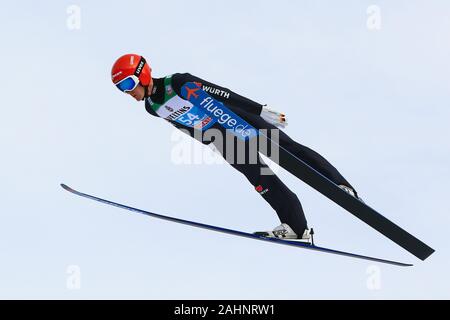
[276, 118]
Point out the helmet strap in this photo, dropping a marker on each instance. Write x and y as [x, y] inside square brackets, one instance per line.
[145, 92]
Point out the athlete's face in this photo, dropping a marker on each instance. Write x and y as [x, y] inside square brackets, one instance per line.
[137, 93]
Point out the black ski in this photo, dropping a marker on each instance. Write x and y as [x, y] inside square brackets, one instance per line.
[235, 232]
[356, 207]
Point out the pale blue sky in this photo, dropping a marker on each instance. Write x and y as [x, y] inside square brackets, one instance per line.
[374, 103]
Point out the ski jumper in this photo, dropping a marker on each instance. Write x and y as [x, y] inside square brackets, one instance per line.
[166, 101]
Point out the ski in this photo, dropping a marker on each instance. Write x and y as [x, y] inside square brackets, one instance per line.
[353, 205]
[313, 178]
[234, 232]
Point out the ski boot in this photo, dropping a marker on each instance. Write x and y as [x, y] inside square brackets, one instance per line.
[284, 231]
[351, 192]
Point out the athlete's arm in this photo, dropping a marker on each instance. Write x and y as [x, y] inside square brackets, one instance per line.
[222, 94]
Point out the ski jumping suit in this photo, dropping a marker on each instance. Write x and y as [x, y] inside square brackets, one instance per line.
[166, 101]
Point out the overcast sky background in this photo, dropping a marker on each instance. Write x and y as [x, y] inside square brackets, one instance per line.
[374, 102]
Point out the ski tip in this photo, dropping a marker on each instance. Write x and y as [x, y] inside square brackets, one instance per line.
[66, 187]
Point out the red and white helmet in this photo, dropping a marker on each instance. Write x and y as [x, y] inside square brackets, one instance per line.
[130, 70]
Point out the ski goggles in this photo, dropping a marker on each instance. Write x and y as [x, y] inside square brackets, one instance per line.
[128, 84]
[131, 82]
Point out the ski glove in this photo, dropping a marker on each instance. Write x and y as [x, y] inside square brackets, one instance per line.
[273, 117]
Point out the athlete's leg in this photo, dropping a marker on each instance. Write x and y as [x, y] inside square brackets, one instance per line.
[311, 157]
[272, 189]
[276, 193]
